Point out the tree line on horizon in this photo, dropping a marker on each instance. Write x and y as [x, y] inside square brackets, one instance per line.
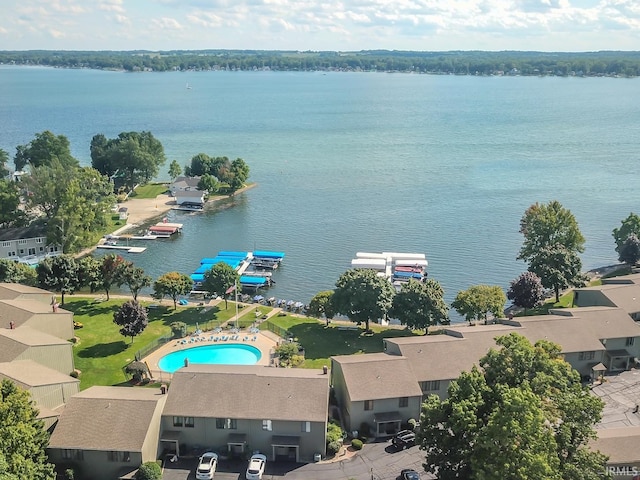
[601, 63]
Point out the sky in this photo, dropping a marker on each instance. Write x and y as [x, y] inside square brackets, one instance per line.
[335, 25]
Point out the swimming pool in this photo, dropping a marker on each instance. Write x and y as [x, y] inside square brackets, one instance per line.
[231, 354]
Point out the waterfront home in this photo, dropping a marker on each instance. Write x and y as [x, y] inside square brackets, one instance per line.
[190, 197]
[26, 244]
[239, 409]
[26, 343]
[105, 433]
[49, 388]
[184, 184]
[377, 393]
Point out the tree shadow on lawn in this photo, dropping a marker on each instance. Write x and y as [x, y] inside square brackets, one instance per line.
[190, 315]
[102, 350]
[320, 341]
[90, 307]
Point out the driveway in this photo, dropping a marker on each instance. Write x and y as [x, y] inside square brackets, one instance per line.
[376, 460]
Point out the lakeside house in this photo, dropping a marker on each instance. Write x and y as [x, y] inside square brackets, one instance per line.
[184, 184]
[27, 244]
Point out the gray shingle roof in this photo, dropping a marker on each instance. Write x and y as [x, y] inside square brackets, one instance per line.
[620, 444]
[248, 392]
[378, 375]
[13, 290]
[107, 419]
[28, 373]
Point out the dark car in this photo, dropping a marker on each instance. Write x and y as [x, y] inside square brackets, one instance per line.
[404, 439]
[409, 474]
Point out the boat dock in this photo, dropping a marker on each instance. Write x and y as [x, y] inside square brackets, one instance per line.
[125, 248]
[397, 267]
[165, 229]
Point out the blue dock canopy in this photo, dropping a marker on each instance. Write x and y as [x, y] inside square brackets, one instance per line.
[268, 254]
[246, 280]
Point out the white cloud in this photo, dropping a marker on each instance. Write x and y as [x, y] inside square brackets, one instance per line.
[166, 23]
[112, 6]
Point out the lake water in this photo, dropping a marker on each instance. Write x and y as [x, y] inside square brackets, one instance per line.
[348, 162]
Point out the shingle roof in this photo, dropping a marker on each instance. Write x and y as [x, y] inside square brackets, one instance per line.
[13, 290]
[14, 342]
[624, 296]
[107, 418]
[28, 373]
[249, 392]
[33, 231]
[378, 375]
[28, 306]
[619, 444]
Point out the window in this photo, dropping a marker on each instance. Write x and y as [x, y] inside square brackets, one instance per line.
[41, 249]
[115, 456]
[429, 386]
[72, 454]
[226, 423]
[403, 402]
[586, 356]
[189, 422]
[630, 341]
[22, 242]
[266, 425]
[21, 251]
[6, 244]
[368, 404]
[306, 427]
[32, 251]
[177, 421]
[39, 240]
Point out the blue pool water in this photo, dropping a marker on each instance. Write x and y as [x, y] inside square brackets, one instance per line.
[232, 354]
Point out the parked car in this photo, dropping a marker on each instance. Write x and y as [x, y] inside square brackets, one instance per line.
[256, 467]
[409, 474]
[207, 466]
[404, 439]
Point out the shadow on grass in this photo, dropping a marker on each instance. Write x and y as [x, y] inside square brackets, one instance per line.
[102, 350]
[167, 315]
[90, 307]
[320, 341]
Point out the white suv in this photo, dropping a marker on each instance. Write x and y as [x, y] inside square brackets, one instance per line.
[207, 466]
[256, 467]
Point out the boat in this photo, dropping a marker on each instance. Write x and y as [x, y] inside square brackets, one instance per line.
[188, 87]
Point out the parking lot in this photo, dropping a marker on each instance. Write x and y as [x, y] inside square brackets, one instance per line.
[379, 461]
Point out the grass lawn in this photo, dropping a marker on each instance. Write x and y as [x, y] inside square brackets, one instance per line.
[150, 190]
[101, 352]
[321, 342]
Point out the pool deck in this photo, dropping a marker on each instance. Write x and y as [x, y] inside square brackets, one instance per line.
[265, 341]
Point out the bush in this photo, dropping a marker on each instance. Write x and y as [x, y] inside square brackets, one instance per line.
[69, 474]
[149, 471]
[412, 424]
[356, 444]
[334, 432]
[179, 329]
[333, 447]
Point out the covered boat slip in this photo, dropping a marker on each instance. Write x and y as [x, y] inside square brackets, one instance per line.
[166, 228]
[240, 261]
[393, 265]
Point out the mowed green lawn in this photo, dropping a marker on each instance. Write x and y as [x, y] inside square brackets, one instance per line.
[101, 352]
[321, 342]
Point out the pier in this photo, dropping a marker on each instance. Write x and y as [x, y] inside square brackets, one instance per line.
[123, 248]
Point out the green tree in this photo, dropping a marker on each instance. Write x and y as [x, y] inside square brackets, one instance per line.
[172, 284]
[89, 272]
[45, 149]
[209, 183]
[558, 268]
[23, 439]
[14, 272]
[135, 278]
[239, 175]
[11, 212]
[630, 225]
[111, 272]
[479, 301]
[219, 279]
[200, 164]
[132, 318]
[362, 296]
[175, 170]
[526, 291]
[289, 354]
[418, 305]
[60, 274]
[551, 228]
[321, 305]
[4, 159]
[47, 186]
[629, 251]
[149, 471]
[524, 414]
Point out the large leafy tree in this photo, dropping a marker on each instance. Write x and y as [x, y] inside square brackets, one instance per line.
[135, 278]
[526, 291]
[629, 251]
[132, 319]
[208, 183]
[362, 296]
[200, 164]
[4, 159]
[89, 272]
[630, 225]
[477, 302]
[111, 272]
[172, 285]
[219, 279]
[321, 305]
[11, 212]
[558, 268]
[45, 149]
[523, 414]
[137, 156]
[14, 272]
[418, 305]
[175, 170]
[552, 230]
[239, 174]
[23, 439]
[60, 274]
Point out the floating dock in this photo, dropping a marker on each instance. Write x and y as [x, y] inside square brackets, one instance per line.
[397, 267]
[241, 262]
[124, 248]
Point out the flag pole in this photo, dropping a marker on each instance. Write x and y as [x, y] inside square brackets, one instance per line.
[235, 289]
